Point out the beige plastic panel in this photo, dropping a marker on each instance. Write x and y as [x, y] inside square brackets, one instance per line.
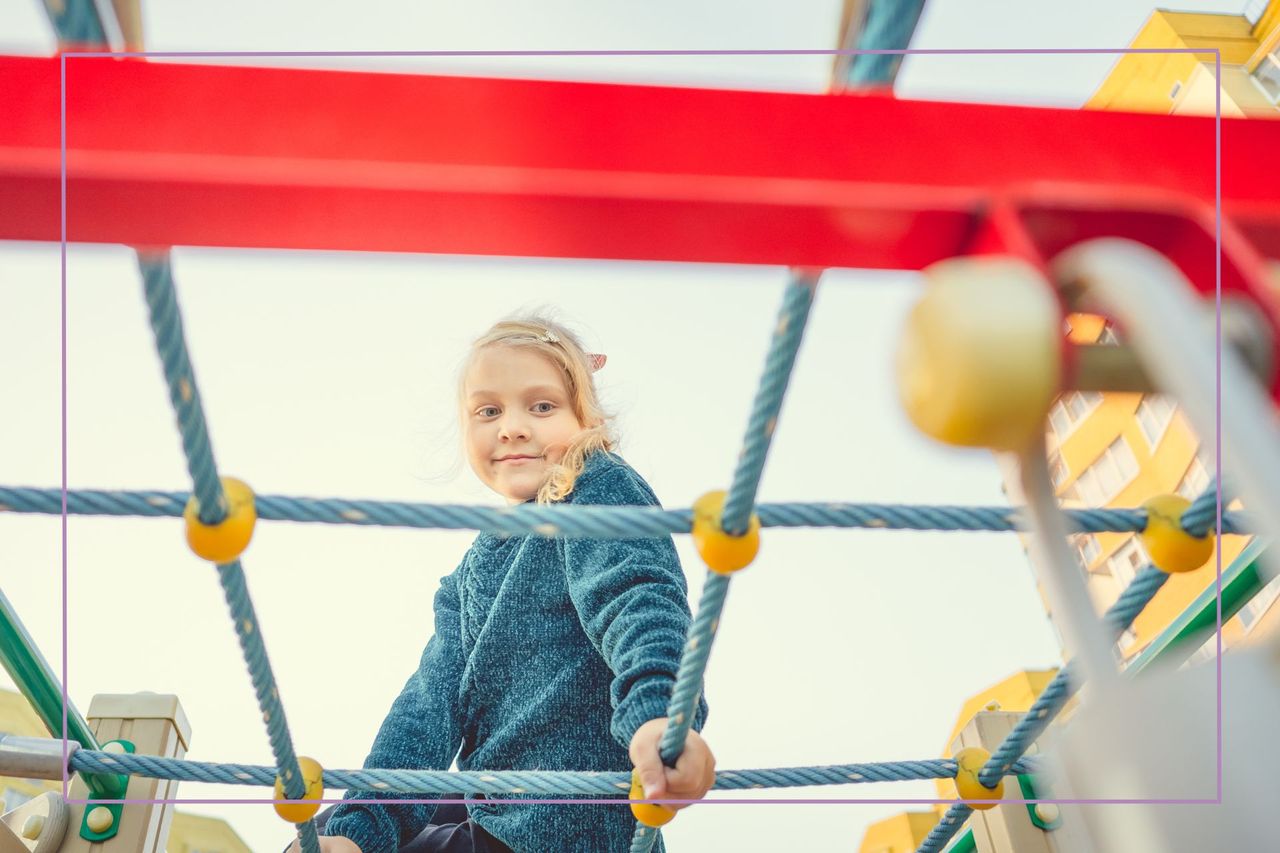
[156, 725]
[37, 826]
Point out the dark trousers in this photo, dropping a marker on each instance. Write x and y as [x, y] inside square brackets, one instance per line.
[451, 831]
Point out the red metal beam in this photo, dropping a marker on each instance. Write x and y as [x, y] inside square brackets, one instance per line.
[165, 153]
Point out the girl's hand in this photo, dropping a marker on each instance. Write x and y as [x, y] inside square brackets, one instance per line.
[328, 844]
[690, 779]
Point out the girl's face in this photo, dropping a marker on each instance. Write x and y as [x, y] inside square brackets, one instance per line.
[518, 419]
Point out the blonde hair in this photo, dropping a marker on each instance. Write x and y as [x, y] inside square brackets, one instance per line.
[564, 349]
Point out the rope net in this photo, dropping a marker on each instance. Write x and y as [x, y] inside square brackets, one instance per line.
[576, 521]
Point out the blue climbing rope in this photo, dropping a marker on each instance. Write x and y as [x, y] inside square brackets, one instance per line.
[77, 24]
[166, 323]
[943, 831]
[497, 782]
[1048, 704]
[793, 316]
[781, 358]
[889, 25]
[1199, 518]
[1196, 520]
[184, 395]
[1064, 685]
[596, 522]
[779, 362]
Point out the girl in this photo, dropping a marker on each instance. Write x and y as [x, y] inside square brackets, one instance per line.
[549, 654]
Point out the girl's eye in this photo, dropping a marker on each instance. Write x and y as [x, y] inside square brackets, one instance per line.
[538, 407]
[488, 411]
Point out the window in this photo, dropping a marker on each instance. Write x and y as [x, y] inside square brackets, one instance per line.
[1154, 414]
[1267, 75]
[1071, 409]
[1195, 481]
[1125, 643]
[1087, 549]
[1252, 612]
[1208, 651]
[1059, 420]
[1057, 470]
[1128, 561]
[1112, 471]
[1081, 403]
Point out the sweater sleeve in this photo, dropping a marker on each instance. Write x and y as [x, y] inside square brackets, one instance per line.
[422, 731]
[632, 601]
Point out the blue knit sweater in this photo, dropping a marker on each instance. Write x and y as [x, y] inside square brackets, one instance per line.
[548, 654]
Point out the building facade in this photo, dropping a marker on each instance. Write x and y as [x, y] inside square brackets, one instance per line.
[1119, 449]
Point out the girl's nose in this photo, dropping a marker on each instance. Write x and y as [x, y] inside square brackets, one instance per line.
[514, 429]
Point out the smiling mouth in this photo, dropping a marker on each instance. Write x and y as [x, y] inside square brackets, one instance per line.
[516, 459]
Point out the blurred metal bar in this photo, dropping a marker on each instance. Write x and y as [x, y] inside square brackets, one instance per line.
[34, 757]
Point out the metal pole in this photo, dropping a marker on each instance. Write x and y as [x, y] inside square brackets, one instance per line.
[35, 678]
[34, 757]
[1082, 630]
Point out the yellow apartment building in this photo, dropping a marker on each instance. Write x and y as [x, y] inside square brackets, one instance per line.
[1120, 449]
[1183, 82]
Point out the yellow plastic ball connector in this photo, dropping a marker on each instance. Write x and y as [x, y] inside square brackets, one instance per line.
[969, 762]
[222, 543]
[647, 813]
[99, 819]
[721, 552]
[980, 359]
[1173, 549]
[301, 811]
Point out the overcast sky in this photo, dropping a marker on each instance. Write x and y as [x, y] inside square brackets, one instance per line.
[328, 374]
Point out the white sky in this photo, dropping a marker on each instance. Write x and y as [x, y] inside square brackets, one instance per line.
[331, 375]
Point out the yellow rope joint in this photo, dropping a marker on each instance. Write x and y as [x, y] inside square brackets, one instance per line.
[1173, 549]
[301, 811]
[721, 552]
[648, 814]
[226, 541]
[969, 763]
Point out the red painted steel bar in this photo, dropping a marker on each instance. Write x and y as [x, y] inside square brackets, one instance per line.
[163, 153]
[235, 156]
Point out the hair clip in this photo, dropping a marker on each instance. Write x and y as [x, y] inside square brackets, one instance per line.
[594, 360]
